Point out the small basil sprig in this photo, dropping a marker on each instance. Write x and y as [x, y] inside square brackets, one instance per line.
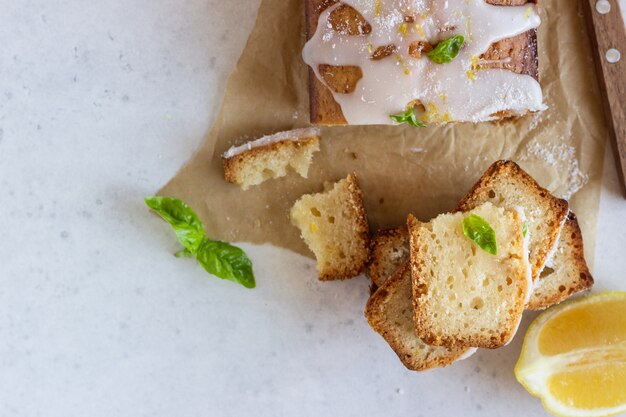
[525, 228]
[218, 258]
[408, 117]
[447, 50]
[480, 232]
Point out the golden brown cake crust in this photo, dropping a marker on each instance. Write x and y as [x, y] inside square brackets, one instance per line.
[324, 110]
[232, 165]
[382, 246]
[361, 224]
[576, 279]
[379, 317]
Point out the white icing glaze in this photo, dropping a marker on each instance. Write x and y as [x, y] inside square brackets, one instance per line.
[455, 91]
[292, 135]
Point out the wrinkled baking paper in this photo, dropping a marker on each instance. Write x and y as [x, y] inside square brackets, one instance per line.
[401, 169]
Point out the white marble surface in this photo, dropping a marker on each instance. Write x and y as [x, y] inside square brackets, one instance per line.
[100, 104]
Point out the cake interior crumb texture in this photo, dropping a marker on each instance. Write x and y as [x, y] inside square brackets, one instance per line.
[253, 164]
[334, 226]
[463, 295]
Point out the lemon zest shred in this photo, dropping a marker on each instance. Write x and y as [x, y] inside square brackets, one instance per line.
[529, 11]
[400, 61]
[475, 62]
[432, 113]
[420, 30]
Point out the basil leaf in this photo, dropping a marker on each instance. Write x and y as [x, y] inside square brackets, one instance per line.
[480, 232]
[525, 228]
[447, 50]
[408, 117]
[218, 258]
[226, 261]
[182, 218]
[183, 253]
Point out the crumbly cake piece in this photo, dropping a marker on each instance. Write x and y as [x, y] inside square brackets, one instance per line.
[518, 54]
[390, 313]
[389, 249]
[334, 226]
[270, 157]
[464, 296]
[566, 273]
[506, 184]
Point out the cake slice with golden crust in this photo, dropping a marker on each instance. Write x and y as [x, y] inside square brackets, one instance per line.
[506, 184]
[566, 273]
[334, 226]
[390, 313]
[271, 156]
[463, 294]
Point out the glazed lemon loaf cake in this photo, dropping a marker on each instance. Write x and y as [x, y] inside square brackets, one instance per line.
[447, 61]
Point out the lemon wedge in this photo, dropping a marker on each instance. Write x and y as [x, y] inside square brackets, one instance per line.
[574, 357]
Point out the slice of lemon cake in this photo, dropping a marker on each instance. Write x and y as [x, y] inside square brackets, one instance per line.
[506, 184]
[566, 273]
[471, 276]
[270, 156]
[389, 312]
[334, 226]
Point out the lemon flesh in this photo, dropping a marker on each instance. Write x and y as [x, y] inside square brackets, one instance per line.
[574, 357]
[600, 386]
[587, 325]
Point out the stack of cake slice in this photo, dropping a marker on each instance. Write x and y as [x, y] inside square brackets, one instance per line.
[461, 296]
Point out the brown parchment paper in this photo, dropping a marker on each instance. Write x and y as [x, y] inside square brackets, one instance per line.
[401, 169]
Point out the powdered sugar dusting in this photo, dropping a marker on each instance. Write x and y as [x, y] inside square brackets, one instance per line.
[563, 157]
